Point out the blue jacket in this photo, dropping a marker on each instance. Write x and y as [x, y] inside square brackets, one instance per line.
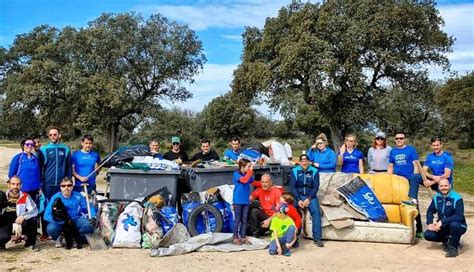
[449, 208]
[241, 192]
[76, 206]
[303, 183]
[56, 163]
[28, 170]
[327, 159]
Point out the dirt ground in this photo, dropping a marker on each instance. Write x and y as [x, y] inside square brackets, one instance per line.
[335, 256]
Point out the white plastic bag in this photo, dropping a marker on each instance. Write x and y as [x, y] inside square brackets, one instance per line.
[127, 232]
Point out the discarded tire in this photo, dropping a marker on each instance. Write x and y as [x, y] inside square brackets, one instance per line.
[207, 208]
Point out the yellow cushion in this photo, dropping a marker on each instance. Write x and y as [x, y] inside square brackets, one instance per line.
[393, 212]
[389, 189]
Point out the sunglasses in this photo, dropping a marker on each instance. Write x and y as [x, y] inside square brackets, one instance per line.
[29, 145]
[403, 138]
[52, 134]
[379, 138]
[66, 185]
[175, 143]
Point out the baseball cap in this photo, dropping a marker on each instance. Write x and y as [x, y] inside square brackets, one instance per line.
[380, 134]
[283, 208]
[175, 139]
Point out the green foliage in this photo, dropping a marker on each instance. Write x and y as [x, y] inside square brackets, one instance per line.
[338, 57]
[456, 101]
[110, 75]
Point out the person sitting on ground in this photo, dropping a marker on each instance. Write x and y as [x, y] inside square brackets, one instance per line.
[351, 158]
[76, 207]
[176, 154]
[155, 149]
[451, 223]
[233, 153]
[18, 208]
[242, 179]
[379, 154]
[304, 184]
[264, 203]
[283, 233]
[84, 162]
[206, 154]
[287, 198]
[322, 156]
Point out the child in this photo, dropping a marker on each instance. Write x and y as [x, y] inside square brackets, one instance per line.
[242, 179]
[283, 232]
[292, 212]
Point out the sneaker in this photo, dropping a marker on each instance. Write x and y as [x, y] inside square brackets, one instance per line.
[272, 252]
[246, 241]
[452, 252]
[287, 253]
[411, 202]
[419, 235]
[318, 243]
[59, 242]
[32, 249]
[44, 237]
[446, 245]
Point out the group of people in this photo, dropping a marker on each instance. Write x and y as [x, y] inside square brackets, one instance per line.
[41, 190]
[51, 173]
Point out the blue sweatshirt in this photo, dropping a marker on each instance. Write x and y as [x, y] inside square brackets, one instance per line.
[449, 208]
[76, 206]
[304, 183]
[56, 163]
[326, 158]
[28, 170]
[242, 187]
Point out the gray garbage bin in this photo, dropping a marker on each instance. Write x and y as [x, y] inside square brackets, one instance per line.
[132, 183]
[201, 179]
[280, 174]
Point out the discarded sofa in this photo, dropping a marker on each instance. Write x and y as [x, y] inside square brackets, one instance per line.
[350, 226]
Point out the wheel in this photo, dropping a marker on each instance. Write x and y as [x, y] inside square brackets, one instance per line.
[198, 211]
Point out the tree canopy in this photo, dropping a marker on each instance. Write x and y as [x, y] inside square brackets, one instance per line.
[340, 56]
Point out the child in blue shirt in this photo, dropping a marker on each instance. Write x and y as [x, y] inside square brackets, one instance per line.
[242, 179]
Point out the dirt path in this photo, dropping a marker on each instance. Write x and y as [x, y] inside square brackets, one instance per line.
[335, 256]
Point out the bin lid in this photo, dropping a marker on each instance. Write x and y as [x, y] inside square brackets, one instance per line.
[149, 172]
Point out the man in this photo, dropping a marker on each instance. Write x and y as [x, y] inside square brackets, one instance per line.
[76, 207]
[261, 213]
[206, 154]
[233, 152]
[402, 162]
[176, 154]
[441, 165]
[18, 208]
[84, 162]
[451, 223]
[37, 140]
[55, 161]
[155, 149]
[304, 183]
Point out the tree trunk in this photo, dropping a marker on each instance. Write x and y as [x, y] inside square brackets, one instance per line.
[112, 136]
[336, 137]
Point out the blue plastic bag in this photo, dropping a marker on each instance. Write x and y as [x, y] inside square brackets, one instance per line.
[227, 216]
[251, 155]
[172, 217]
[360, 197]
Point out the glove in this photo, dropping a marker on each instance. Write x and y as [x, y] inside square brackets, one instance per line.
[92, 222]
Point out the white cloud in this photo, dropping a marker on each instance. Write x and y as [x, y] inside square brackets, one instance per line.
[223, 15]
[236, 38]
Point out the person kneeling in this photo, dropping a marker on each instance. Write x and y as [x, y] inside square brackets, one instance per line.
[283, 233]
[66, 213]
[17, 208]
[451, 224]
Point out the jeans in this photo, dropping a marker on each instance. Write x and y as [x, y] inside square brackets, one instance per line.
[240, 219]
[285, 239]
[82, 225]
[316, 216]
[454, 229]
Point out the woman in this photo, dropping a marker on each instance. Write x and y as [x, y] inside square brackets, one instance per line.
[351, 158]
[26, 166]
[379, 154]
[322, 156]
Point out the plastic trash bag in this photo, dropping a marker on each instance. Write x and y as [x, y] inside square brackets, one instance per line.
[127, 232]
[126, 154]
[227, 216]
[362, 198]
[168, 218]
[107, 220]
[251, 155]
[152, 231]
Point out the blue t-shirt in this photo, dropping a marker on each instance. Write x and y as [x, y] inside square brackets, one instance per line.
[242, 190]
[350, 161]
[84, 164]
[437, 164]
[230, 154]
[402, 160]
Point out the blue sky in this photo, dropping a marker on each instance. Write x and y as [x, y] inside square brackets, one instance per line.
[218, 25]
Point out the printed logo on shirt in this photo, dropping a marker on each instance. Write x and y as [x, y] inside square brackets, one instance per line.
[401, 159]
[448, 203]
[437, 162]
[61, 153]
[308, 175]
